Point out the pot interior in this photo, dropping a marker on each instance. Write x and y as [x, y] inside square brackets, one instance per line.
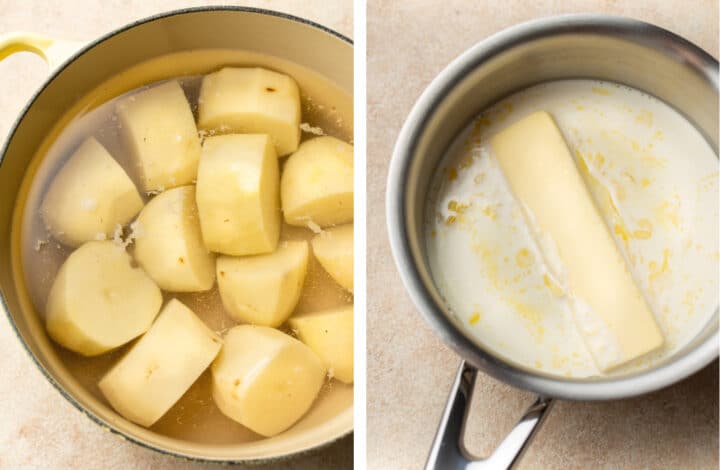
[639, 56]
[187, 43]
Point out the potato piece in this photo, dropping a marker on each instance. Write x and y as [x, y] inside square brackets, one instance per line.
[89, 197]
[330, 334]
[334, 249]
[161, 366]
[252, 101]
[159, 127]
[169, 246]
[265, 379]
[98, 301]
[263, 289]
[317, 183]
[238, 195]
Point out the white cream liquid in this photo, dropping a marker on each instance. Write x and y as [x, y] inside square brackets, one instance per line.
[655, 180]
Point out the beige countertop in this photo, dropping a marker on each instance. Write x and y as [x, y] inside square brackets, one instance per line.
[409, 368]
[38, 428]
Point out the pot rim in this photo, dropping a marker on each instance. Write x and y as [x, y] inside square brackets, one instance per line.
[403, 153]
[3, 304]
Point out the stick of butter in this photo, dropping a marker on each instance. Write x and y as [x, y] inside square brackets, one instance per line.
[609, 309]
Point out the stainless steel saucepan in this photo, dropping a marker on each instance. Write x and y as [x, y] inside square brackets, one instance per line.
[615, 49]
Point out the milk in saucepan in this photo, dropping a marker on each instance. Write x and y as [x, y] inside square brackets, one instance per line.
[655, 180]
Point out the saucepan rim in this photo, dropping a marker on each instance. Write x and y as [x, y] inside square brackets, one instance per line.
[3, 304]
[404, 154]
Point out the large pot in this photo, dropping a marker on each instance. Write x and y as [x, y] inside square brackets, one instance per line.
[615, 49]
[242, 34]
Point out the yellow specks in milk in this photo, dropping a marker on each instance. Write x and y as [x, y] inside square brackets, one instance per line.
[530, 315]
[629, 176]
[466, 161]
[489, 263]
[476, 133]
[659, 270]
[644, 117]
[457, 210]
[690, 300]
[559, 362]
[642, 234]
[618, 190]
[644, 230]
[651, 161]
[668, 213]
[709, 182]
[490, 212]
[621, 231]
[456, 206]
[524, 258]
[474, 318]
[598, 159]
[452, 173]
[600, 91]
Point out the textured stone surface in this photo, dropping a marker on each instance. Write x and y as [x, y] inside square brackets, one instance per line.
[38, 428]
[409, 369]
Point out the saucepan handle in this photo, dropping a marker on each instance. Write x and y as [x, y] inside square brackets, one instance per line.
[53, 51]
[448, 450]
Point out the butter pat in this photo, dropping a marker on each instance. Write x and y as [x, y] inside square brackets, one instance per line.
[609, 309]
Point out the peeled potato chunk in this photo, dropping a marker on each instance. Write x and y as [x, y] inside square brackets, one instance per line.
[264, 379]
[161, 366]
[252, 101]
[89, 197]
[317, 183]
[159, 127]
[263, 289]
[334, 249]
[237, 194]
[330, 335]
[169, 245]
[99, 301]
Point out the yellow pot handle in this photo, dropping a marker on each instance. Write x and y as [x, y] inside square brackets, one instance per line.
[53, 51]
